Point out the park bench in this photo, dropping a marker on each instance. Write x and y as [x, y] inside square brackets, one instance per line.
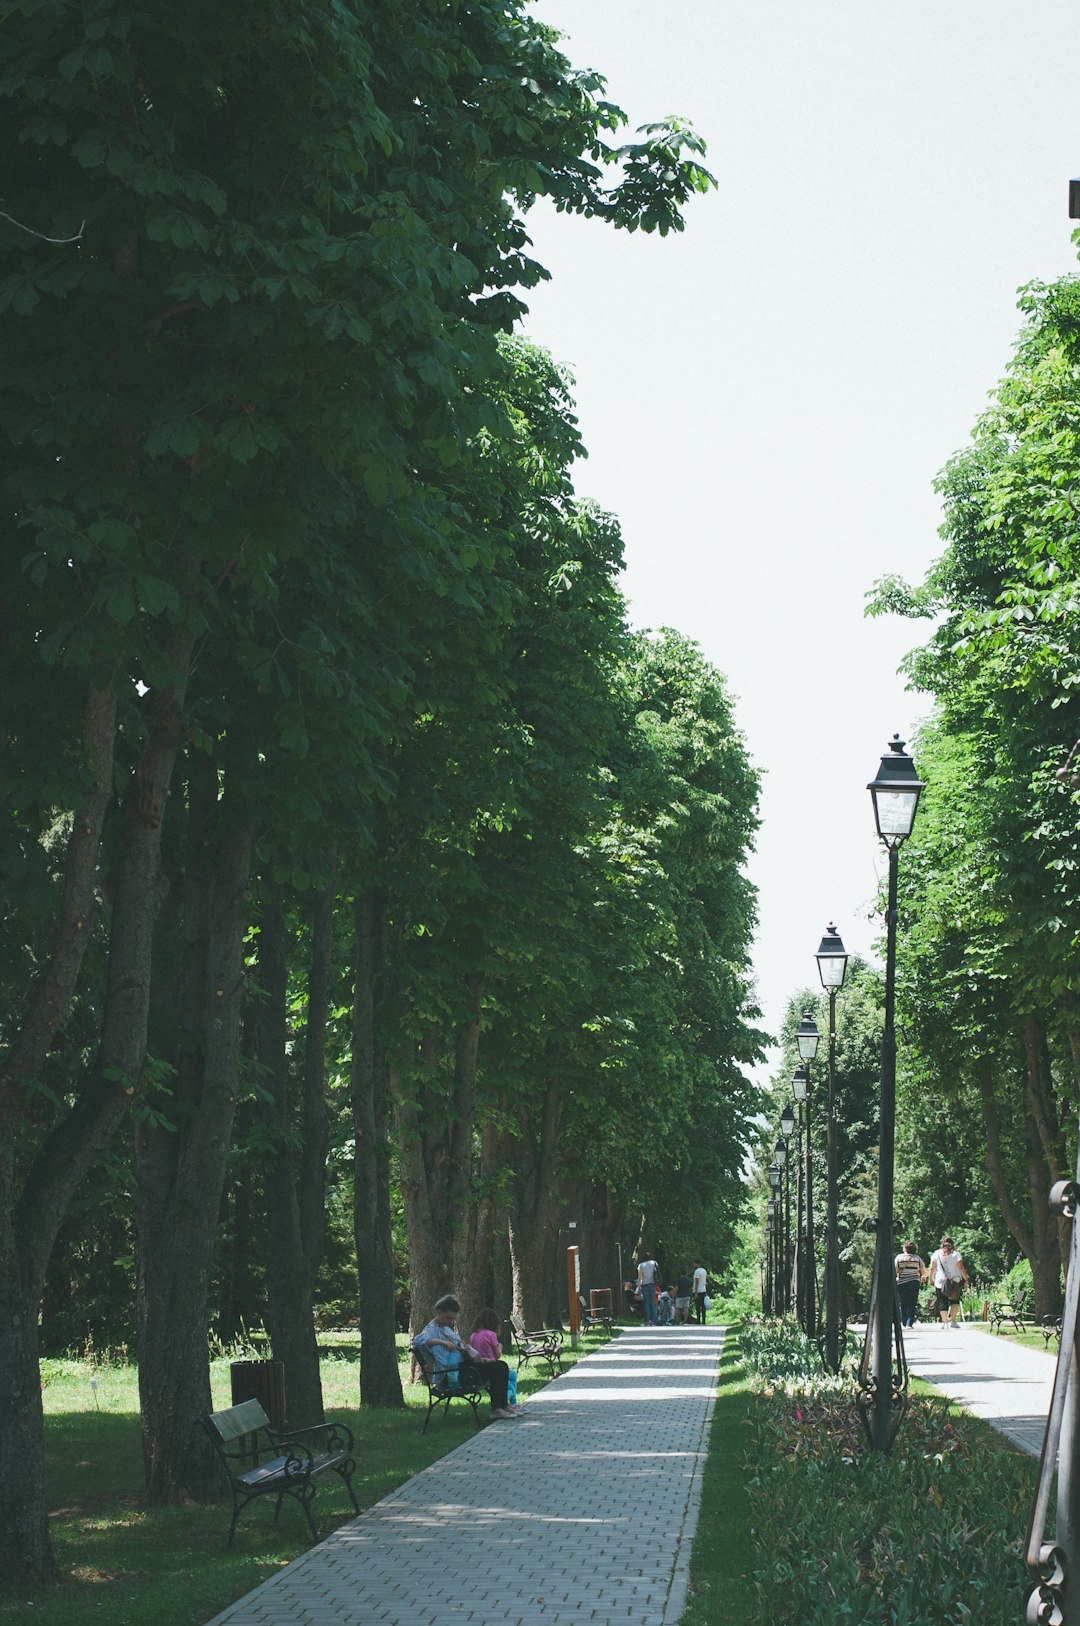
[595, 1318]
[446, 1383]
[280, 1464]
[543, 1343]
[1013, 1314]
[1050, 1327]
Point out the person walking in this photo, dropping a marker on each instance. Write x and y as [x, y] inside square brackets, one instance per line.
[648, 1276]
[684, 1287]
[700, 1288]
[949, 1276]
[910, 1272]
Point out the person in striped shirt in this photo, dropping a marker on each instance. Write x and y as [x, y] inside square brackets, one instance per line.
[910, 1275]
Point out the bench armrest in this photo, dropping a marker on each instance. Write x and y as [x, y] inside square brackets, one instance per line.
[336, 1436]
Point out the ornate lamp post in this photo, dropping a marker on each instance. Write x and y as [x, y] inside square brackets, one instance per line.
[780, 1155]
[787, 1129]
[832, 959]
[882, 1391]
[808, 1038]
[774, 1215]
[798, 1091]
[770, 1233]
[1054, 1566]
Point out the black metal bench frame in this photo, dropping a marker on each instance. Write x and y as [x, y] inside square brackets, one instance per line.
[281, 1464]
[1050, 1327]
[595, 1318]
[439, 1381]
[543, 1343]
[1002, 1313]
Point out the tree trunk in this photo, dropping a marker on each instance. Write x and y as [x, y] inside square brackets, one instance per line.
[29, 1222]
[1010, 1213]
[435, 1115]
[56, 986]
[380, 1379]
[534, 1211]
[475, 1272]
[290, 1267]
[422, 1154]
[181, 1171]
[1045, 1256]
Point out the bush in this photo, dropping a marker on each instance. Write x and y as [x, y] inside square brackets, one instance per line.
[1019, 1280]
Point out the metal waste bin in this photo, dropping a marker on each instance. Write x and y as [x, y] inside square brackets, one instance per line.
[263, 1381]
[600, 1300]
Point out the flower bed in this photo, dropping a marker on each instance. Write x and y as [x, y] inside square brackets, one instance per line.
[930, 1536]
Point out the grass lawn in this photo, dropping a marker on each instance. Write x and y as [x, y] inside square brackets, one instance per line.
[125, 1564]
[721, 1591]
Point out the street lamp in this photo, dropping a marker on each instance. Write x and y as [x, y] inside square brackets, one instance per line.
[808, 1038]
[787, 1129]
[781, 1157]
[799, 1084]
[770, 1233]
[882, 1390]
[775, 1217]
[832, 959]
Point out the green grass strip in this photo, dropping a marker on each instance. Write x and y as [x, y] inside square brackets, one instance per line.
[722, 1557]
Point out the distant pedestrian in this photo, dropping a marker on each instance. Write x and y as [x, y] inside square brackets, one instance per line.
[648, 1277]
[684, 1288]
[949, 1276]
[910, 1274]
[664, 1307]
[700, 1288]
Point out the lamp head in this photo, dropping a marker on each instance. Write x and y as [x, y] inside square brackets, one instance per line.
[895, 793]
[800, 1080]
[807, 1036]
[832, 958]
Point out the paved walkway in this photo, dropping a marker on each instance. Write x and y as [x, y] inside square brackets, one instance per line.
[582, 1510]
[991, 1375]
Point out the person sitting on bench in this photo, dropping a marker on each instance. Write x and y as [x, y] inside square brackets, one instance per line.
[450, 1350]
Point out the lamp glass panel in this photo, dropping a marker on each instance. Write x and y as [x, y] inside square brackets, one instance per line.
[895, 811]
[831, 968]
[808, 1043]
[798, 1086]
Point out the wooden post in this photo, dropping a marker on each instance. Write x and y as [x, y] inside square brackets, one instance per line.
[573, 1282]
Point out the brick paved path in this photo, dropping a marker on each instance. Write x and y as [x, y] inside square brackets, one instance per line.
[989, 1374]
[581, 1511]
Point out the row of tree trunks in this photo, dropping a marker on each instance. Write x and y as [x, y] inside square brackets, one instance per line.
[180, 1165]
[435, 1112]
[1036, 1232]
[30, 1219]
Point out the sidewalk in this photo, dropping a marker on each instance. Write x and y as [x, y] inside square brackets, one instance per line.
[992, 1376]
[583, 1509]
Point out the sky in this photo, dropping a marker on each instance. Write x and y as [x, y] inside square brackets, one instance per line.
[767, 397]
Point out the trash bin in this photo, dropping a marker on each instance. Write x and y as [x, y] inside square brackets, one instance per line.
[263, 1381]
[600, 1300]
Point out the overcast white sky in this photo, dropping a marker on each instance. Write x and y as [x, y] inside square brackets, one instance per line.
[767, 398]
